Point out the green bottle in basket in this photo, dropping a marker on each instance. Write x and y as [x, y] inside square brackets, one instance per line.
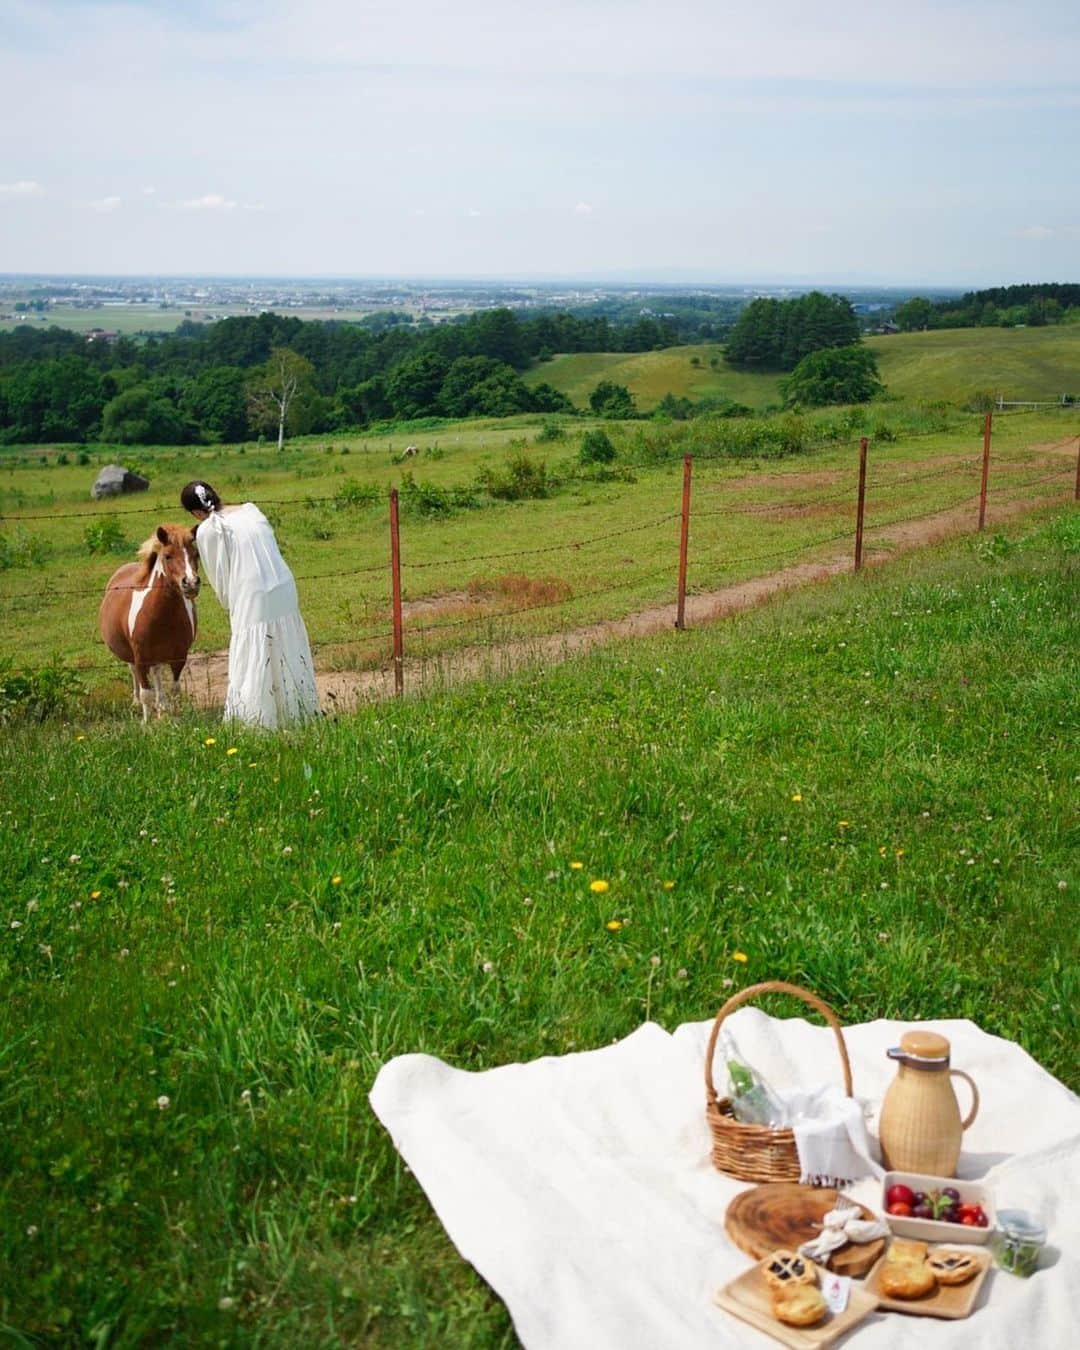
[920, 1127]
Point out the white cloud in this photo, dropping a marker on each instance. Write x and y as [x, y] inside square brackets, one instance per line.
[149, 191]
[25, 187]
[583, 209]
[474, 212]
[105, 204]
[212, 201]
[1036, 232]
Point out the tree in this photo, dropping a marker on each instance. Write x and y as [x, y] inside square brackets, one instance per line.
[834, 375]
[140, 416]
[215, 401]
[271, 390]
[612, 400]
[914, 314]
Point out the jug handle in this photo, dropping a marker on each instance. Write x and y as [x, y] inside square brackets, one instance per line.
[959, 1073]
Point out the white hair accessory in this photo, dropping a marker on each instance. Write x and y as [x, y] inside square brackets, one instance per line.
[204, 497]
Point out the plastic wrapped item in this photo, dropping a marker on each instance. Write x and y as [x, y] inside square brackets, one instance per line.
[753, 1102]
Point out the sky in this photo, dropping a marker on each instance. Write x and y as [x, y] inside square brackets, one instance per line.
[934, 141]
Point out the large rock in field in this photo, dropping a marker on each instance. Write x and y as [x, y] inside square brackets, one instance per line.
[114, 480]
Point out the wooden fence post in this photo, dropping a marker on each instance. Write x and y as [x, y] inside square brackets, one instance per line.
[985, 468]
[684, 539]
[395, 583]
[862, 503]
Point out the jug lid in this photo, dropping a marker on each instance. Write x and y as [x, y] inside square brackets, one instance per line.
[926, 1045]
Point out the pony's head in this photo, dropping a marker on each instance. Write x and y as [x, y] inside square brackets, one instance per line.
[171, 548]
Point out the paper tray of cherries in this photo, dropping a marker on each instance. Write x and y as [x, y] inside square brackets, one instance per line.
[937, 1209]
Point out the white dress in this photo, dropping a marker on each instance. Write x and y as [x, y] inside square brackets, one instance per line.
[271, 675]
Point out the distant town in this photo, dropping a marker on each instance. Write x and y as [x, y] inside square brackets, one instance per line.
[107, 307]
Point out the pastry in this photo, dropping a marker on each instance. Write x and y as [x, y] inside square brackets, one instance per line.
[799, 1305]
[950, 1266]
[904, 1273]
[782, 1269]
[903, 1249]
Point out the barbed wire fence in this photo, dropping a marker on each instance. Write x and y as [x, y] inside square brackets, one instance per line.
[385, 639]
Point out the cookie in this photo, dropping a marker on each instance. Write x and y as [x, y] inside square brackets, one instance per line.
[950, 1266]
[783, 1269]
[799, 1305]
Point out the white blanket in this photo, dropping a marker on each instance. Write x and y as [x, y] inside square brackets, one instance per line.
[581, 1189]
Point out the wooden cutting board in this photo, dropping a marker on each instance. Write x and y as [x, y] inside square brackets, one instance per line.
[785, 1214]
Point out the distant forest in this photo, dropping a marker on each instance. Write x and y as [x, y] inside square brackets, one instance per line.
[1030, 306]
[215, 382]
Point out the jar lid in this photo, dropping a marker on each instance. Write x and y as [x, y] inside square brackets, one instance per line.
[1021, 1226]
[925, 1045]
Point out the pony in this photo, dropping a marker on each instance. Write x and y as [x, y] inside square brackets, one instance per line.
[147, 616]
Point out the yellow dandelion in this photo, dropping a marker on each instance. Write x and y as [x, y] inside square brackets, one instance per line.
[741, 957]
[669, 885]
[232, 750]
[210, 740]
[881, 851]
[251, 763]
[80, 738]
[843, 824]
[899, 852]
[614, 925]
[95, 895]
[335, 881]
[796, 796]
[598, 886]
[576, 866]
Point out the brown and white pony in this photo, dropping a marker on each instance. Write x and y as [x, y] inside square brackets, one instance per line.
[147, 617]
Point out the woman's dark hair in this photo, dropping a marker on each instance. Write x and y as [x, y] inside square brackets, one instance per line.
[199, 496]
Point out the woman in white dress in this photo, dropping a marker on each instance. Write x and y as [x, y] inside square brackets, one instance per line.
[271, 675]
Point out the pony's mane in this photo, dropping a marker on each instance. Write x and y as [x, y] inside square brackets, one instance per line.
[149, 548]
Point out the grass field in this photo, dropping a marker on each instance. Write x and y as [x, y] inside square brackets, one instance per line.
[1018, 363]
[686, 372]
[131, 319]
[867, 787]
[608, 547]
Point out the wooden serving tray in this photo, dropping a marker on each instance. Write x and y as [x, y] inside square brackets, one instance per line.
[946, 1300]
[749, 1298]
[785, 1214]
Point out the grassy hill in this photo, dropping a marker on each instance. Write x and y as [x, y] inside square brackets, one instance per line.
[212, 939]
[1019, 363]
[651, 375]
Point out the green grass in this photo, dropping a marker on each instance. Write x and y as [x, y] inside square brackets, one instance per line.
[953, 365]
[50, 591]
[651, 375]
[1017, 363]
[171, 926]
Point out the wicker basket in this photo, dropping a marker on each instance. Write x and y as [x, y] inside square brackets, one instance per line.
[759, 1152]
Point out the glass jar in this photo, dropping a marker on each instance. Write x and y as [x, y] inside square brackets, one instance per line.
[1017, 1241]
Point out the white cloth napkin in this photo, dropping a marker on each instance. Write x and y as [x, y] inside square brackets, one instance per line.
[839, 1227]
[831, 1138]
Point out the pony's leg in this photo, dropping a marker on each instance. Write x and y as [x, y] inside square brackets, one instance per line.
[159, 690]
[134, 687]
[146, 693]
[174, 694]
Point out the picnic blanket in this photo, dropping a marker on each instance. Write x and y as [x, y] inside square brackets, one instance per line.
[580, 1187]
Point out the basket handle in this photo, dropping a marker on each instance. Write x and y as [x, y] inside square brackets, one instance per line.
[774, 987]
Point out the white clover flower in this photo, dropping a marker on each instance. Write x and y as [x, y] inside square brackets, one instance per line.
[75, 857]
[163, 1103]
[488, 967]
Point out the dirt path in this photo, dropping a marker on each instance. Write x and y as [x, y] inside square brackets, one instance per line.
[206, 676]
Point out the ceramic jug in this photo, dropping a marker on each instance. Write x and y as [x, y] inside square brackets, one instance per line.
[920, 1126]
